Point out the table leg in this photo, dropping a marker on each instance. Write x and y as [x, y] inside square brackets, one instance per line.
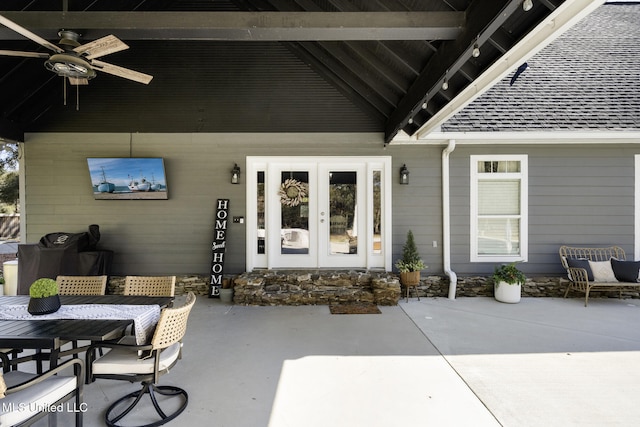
[53, 357]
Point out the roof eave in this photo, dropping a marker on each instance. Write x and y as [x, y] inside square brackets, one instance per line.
[559, 21]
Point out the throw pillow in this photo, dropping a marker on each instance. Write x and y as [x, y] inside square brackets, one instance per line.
[581, 263]
[602, 271]
[3, 386]
[625, 271]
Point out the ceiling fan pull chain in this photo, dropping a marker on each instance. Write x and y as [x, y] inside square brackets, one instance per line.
[77, 97]
[64, 91]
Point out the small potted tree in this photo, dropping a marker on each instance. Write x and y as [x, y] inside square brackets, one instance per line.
[410, 264]
[507, 283]
[44, 297]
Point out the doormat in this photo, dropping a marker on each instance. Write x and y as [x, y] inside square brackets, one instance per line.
[354, 308]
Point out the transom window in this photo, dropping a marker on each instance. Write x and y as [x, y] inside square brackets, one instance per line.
[499, 208]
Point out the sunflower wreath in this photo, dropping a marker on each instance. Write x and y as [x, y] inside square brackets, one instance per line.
[292, 192]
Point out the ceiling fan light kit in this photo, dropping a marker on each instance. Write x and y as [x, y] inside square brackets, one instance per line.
[66, 65]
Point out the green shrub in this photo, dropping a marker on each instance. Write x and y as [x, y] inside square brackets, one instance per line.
[43, 288]
[508, 273]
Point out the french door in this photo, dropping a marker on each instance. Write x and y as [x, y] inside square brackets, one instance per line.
[321, 212]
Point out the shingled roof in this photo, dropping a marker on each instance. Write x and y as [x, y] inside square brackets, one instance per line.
[587, 79]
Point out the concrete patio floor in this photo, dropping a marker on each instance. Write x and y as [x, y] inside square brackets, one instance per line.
[434, 362]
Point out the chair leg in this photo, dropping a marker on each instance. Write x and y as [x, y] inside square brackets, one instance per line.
[586, 297]
[567, 291]
[151, 389]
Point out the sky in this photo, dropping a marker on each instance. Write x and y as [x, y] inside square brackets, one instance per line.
[120, 171]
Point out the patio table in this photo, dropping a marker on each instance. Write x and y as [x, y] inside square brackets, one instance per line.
[95, 299]
[21, 330]
[144, 317]
[52, 334]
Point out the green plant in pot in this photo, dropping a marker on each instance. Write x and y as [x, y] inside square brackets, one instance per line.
[44, 297]
[410, 264]
[507, 281]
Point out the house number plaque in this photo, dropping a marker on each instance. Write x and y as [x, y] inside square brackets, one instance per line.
[218, 247]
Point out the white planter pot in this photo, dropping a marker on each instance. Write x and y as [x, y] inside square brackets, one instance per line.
[505, 292]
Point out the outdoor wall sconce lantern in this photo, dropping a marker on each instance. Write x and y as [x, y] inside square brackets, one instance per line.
[235, 174]
[404, 175]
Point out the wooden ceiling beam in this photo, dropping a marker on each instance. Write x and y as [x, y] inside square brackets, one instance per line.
[244, 26]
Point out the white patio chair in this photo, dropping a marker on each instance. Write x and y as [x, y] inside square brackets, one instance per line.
[29, 397]
[124, 362]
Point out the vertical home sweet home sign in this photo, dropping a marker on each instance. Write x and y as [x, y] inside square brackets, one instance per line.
[218, 247]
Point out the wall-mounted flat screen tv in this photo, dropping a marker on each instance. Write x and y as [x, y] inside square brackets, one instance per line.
[126, 178]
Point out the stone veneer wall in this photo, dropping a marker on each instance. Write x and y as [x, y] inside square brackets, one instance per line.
[316, 288]
[474, 286]
[196, 283]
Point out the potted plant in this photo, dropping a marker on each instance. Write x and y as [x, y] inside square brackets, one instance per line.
[44, 297]
[507, 283]
[226, 292]
[410, 264]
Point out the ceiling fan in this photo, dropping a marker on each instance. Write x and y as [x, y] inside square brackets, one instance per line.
[73, 60]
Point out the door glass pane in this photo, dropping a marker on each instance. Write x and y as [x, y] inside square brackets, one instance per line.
[343, 236]
[260, 210]
[377, 212]
[294, 208]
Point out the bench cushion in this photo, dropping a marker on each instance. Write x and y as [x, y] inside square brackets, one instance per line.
[625, 271]
[602, 271]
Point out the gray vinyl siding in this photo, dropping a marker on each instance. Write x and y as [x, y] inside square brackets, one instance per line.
[174, 236]
[417, 206]
[579, 195]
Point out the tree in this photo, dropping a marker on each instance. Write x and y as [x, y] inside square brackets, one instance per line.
[9, 181]
[410, 260]
[9, 189]
[9, 154]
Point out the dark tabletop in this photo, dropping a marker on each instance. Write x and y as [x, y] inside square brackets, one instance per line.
[54, 332]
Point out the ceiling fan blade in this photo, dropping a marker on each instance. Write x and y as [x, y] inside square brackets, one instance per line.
[24, 54]
[78, 82]
[28, 34]
[121, 72]
[101, 47]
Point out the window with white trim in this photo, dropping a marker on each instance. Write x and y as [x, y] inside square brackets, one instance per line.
[499, 209]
